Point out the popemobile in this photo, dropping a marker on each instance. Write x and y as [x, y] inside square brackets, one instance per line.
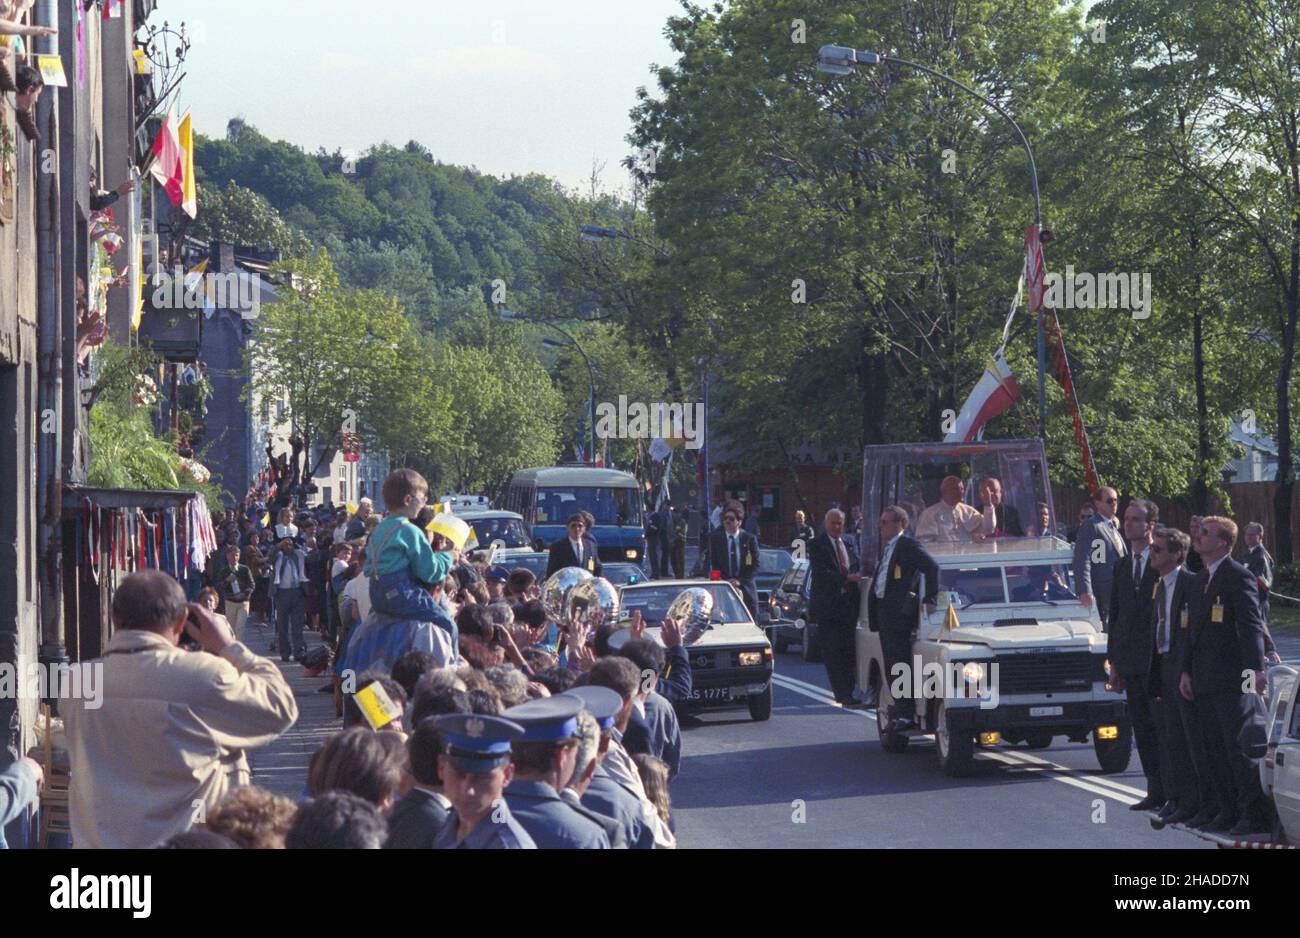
[1009, 653]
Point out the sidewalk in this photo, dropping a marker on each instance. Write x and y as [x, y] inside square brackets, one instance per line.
[281, 766]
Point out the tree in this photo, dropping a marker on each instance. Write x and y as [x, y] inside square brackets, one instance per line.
[240, 216]
[345, 360]
[504, 415]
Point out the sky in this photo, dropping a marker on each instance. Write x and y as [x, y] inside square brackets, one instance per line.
[507, 86]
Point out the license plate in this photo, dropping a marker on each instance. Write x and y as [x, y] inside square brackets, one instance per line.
[1046, 711]
[711, 693]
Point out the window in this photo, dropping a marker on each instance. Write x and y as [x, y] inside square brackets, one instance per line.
[607, 505]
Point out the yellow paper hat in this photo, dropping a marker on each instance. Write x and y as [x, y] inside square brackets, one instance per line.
[449, 526]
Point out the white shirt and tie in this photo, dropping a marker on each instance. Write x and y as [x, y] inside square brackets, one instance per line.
[577, 550]
[882, 572]
[733, 555]
[1140, 565]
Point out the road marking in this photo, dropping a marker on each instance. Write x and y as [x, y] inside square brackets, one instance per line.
[1052, 770]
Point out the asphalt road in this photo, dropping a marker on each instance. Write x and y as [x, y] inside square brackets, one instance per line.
[815, 776]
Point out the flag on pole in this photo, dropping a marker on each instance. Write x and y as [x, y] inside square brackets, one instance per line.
[950, 622]
[1034, 277]
[167, 162]
[992, 395]
[189, 191]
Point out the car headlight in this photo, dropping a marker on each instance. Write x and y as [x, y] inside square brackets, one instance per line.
[974, 672]
[749, 659]
[630, 554]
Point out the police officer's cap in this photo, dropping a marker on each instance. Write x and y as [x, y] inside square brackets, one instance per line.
[498, 573]
[476, 743]
[601, 702]
[549, 719]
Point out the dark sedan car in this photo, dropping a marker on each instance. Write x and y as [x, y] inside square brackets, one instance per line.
[788, 613]
[772, 566]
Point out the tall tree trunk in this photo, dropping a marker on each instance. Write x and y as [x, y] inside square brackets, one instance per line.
[1282, 496]
[1200, 486]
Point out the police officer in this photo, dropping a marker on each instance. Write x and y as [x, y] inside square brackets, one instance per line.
[588, 757]
[475, 767]
[545, 758]
[604, 794]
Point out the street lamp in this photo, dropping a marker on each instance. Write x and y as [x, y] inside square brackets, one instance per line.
[509, 314]
[840, 60]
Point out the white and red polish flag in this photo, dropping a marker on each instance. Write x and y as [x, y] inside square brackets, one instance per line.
[167, 160]
[992, 395]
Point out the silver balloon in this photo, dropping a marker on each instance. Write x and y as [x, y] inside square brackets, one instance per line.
[557, 587]
[591, 603]
[691, 610]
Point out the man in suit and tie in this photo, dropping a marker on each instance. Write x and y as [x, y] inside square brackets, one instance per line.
[999, 520]
[1132, 643]
[1098, 545]
[418, 816]
[903, 561]
[1183, 770]
[576, 550]
[833, 600]
[733, 553]
[1223, 673]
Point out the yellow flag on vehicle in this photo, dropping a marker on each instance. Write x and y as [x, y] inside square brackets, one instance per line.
[950, 618]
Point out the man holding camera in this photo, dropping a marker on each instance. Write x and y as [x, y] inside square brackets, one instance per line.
[165, 740]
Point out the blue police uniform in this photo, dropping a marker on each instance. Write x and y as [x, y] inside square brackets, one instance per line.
[552, 822]
[476, 743]
[604, 794]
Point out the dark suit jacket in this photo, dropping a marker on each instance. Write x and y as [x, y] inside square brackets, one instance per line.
[1008, 520]
[562, 556]
[414, 820]
[1179, 628]
[1219, 652]
[832, 600]
[748, 563]
[1131, 628]
[909, 561]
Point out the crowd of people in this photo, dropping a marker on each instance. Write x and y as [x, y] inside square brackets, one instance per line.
[471, 715]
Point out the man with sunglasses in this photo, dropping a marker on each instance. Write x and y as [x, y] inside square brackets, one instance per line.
[733, 555]
[1097, 548]
[576, 550]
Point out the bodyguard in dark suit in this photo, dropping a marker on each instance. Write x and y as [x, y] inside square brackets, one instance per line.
[1098, 537]
[1185, 775]
[416, 819]
[1131, 644]
[1223, 673]
[903, 562]
[1259, 562]
[833, 602]
[576, 550]
[734, 554]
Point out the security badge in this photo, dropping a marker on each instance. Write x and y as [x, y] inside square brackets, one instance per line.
[591, 564]
[748, 558]
[1216, 612]
[898, 572]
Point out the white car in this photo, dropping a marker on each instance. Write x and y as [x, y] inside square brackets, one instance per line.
[1026, 661]
[1279, 770]
[731, 663]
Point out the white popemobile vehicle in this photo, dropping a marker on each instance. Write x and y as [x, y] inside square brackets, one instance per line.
[1010, 653]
